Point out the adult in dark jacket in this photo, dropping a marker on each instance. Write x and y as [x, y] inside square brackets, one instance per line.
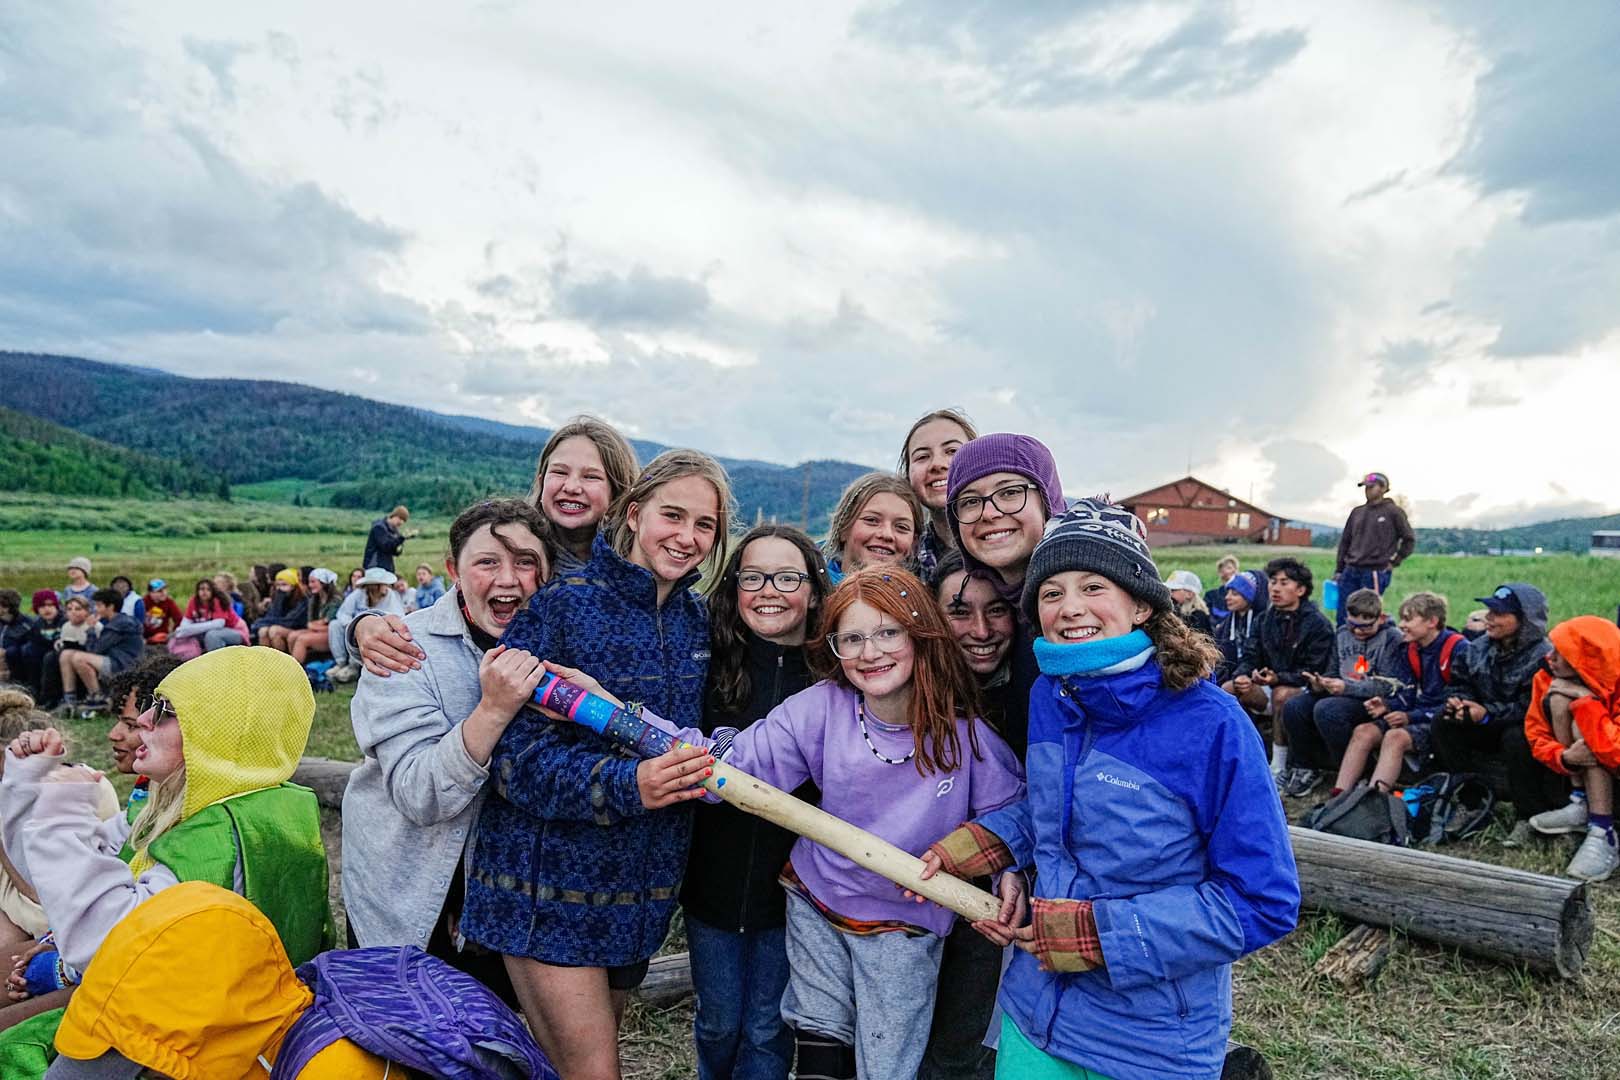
[1293, 638]
[1376, 539]
[762, 608]
[1482, 726]
[386, 539]
[115, 647]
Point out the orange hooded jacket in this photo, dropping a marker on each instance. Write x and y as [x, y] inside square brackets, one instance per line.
[1592, 647]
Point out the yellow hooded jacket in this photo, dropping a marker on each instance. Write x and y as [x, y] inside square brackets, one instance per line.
[194, 984]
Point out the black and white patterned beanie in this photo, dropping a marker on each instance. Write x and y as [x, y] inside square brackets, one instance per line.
[1100, 538]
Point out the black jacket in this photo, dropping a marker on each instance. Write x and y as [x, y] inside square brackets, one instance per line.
[382, 545]
[1234, 637]
[731, 877]
[1291, 642]
[1498, 675]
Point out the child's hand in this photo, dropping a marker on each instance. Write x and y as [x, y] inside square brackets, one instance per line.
[47, 742]
[932, 864]
[1397, 719]
[1329, 684]
[1005, 928]
[507, 678]
[1266, 677]
[1375, 707]
[1242, 684]
[669, 778]
[385, 644]
[1579, 755]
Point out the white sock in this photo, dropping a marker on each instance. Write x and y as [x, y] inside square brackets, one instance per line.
[1279, 758]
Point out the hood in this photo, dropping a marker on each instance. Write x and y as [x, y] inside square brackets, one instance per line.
[237, 999]
[1592, 647]
[245, 714]
[1533, 627]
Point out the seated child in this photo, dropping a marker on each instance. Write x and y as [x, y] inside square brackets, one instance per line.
[1160, 858]
[220, 739]
[238, 1008]
[1573, 725]
[1185, 594]
[1242, 600]
[1399, 725]
[115, 645]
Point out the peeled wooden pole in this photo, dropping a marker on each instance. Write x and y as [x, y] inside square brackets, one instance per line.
[754, 796]
[1487, 910]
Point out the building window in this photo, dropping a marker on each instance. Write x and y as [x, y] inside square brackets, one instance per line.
[1236, 520]
[1159, 515]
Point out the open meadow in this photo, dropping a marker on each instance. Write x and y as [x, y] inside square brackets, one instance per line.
[1431, 1015]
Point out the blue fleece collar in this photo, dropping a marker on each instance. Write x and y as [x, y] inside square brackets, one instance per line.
[1100, 656]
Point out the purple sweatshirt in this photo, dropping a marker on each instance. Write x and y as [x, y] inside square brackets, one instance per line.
[813, 735]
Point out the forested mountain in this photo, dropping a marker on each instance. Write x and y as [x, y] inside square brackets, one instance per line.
[37, 455]
[363, 453]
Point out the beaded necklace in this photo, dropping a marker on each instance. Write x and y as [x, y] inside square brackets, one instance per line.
[860, 717]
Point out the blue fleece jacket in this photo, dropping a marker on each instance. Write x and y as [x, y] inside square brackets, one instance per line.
[568, 867]
[1157, 806]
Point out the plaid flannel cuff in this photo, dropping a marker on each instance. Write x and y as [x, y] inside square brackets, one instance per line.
[972, 851]
[1066, 934]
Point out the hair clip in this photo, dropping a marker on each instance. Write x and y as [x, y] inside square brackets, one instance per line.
[902, 591]
[916, 615]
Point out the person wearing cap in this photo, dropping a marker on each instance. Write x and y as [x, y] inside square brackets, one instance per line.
[79, 584]
[288, 611]
[1482, 724]
[1244, 597]
[1186, 593]
[387, 539]
[1160, 849]
[163, 615]
[1376, 539]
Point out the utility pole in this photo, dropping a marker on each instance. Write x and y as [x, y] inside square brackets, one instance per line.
[804, 510]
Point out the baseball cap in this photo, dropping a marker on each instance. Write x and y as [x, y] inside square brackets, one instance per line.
[155, 584]
[1373, 478]
[1184, 579]
[1504, 601]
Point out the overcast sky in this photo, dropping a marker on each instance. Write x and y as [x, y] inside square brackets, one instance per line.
[1285, 242]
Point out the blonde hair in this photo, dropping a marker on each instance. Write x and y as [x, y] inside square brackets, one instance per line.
[165, 803]
[1228, 560]
[669, 466]
[618, 458]
[855, 497]
[1425, 605]
[230, 579]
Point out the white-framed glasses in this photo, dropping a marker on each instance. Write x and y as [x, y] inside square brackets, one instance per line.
[848, 645]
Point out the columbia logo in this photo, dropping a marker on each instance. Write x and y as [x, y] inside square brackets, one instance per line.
[1110, 778]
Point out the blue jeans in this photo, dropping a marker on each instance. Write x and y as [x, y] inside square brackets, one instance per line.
[1352, 578]
[739, 979]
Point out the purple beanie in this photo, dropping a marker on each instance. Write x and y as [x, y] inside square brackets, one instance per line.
[1003, 452]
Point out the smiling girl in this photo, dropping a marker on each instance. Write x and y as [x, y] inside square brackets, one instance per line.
[583, 468]
[1159, 845]
[925, 462]
[876, 523]
[761, 610]
[427, 737]
[573, 876]
[891, 740]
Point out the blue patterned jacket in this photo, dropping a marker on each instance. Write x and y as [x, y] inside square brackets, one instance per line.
[567, 866]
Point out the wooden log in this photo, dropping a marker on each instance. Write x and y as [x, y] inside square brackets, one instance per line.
[326, 777]
[1357, 957]
[1489, 911]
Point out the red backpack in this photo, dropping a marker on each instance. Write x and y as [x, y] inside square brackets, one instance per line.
[1447, 647]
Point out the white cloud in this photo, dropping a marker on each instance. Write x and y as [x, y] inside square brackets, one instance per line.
[1192, 231]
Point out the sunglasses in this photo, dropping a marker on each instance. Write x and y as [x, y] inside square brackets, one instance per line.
[153, 711]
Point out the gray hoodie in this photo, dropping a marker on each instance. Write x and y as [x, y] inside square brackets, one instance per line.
[1497, 674]
[1385, 653]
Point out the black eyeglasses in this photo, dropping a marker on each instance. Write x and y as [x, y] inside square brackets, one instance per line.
[1009, 500]
[783, 581]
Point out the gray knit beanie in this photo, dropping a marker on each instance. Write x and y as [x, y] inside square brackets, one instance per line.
[1100, 538]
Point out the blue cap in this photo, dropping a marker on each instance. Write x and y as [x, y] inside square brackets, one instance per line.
[1504, 601]
[155, 584]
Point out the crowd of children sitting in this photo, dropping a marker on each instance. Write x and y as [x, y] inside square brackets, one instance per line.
[973, 668]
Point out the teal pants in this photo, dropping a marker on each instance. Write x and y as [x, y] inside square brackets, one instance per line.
[1018, 1059]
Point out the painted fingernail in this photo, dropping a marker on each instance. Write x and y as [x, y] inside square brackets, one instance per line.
[708, 773]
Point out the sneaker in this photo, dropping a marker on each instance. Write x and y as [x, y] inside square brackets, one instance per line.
[1567, 819]
[1596, 858]
[94, 702]
[344, 673]
[1521, 836]
[1298, 783]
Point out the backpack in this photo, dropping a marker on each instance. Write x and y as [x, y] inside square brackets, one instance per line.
[1448, 806]
[414, 1010]
[1361, 813]
[1447, 647]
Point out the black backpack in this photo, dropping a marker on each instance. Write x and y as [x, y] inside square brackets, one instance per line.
[1362, 813]
[1448, 806]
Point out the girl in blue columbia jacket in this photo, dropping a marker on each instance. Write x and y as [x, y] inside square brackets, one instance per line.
[579, 851]
[1159, 849]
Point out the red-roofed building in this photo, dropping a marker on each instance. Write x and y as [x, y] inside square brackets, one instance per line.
[1189, 511]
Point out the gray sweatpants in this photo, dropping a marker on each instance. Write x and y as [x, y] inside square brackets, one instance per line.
[873, 992]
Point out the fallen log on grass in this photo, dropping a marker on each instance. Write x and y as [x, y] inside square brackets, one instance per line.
[1357, 957]
[326, 777]
[1490, 911]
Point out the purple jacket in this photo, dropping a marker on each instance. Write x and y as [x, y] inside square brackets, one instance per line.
[813, 735]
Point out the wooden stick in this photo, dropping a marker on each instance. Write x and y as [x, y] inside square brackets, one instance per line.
[1357, 957]
[753, 796]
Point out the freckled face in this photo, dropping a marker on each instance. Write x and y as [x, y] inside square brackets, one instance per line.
[875, 673]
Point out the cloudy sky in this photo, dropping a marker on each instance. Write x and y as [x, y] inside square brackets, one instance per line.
[1285, 242]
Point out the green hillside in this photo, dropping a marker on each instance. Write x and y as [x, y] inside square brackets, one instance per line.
[39, 456]
[346, 451]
